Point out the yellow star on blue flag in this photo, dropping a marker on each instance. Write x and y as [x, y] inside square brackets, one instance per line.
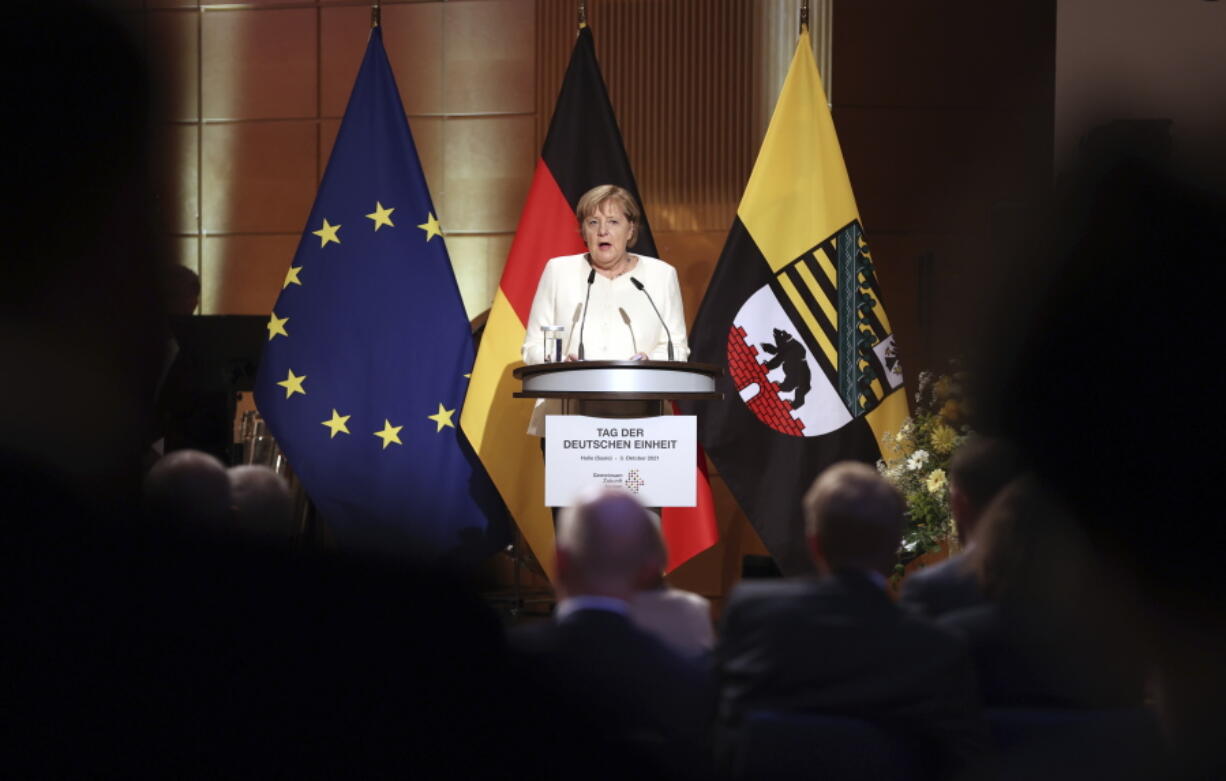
[431, 226]
[327, 234]
[442, 418]
[382, 333]
[382, 216]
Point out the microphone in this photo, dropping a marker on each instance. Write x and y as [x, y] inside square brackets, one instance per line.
[591, 277]
[667, 333]
[626, 319]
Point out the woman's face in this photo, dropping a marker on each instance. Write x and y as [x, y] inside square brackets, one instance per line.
[607, 233]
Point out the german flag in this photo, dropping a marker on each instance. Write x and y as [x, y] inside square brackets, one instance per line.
[795, 314]
[583, 149]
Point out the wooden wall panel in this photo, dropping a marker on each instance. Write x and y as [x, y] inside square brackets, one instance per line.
[254, 95]
[680, 75]
[944, 111]
[259, 64]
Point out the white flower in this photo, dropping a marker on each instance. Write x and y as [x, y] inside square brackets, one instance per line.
[917, 460]
[904, 431]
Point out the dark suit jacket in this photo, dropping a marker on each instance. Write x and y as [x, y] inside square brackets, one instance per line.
[942, 588]
[195, 408]
[1028, 658]
[613, 686]
[139, 651]
[840, 646]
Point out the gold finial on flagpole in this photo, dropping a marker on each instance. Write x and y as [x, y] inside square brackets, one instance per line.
[375, 14]
[582, 14]
[804, 15]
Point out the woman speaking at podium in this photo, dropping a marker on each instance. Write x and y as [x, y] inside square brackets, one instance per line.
[609, 304]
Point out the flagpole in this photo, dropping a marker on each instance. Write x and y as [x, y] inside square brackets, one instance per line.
[375, 14]
[804, 15]
[582, 14]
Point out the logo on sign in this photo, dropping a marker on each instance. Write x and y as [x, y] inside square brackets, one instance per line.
[634, 481]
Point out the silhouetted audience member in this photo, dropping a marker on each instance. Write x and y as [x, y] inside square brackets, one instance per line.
[195, 406]
[646, 708]
[81, 326]
[838, 645]
[1105, 380]
[1042, 639]
[682, 619]
[181, 291]
[190, 490]
[979, 469]
[262, 503]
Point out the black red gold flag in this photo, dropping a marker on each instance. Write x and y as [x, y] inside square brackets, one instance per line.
[583, 149]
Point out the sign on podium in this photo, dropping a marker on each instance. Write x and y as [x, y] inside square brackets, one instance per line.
[615, 433]
[652, 458]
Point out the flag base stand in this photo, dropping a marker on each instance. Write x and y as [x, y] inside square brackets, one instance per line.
[528, 594]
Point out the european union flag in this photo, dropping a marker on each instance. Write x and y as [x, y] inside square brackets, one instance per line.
[369, 348]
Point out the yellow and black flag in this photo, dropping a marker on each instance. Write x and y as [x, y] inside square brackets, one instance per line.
[795, 314]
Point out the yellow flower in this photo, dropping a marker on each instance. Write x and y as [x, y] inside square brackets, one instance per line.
[897, 447]
[936, 481]
[944, 439]
[951, 411]
[942, 388]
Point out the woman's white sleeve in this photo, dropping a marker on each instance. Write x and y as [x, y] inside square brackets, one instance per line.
[541, 314]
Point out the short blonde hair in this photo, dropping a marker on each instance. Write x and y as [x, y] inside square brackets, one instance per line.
[591, 201]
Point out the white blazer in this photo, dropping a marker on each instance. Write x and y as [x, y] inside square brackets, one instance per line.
[620, 321]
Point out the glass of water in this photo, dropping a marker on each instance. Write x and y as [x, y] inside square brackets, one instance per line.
[553, 342]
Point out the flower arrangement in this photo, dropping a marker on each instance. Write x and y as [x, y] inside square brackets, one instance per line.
[918, 462]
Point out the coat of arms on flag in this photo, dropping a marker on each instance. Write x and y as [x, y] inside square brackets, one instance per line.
[813, 349]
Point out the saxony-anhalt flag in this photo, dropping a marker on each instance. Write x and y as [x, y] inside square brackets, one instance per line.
[795, 314]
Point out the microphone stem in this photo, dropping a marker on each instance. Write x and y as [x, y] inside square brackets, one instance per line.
[667, 333]
[591, 277]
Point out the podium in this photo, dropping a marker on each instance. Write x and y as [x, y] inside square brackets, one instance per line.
[613, 431]
[604, 388]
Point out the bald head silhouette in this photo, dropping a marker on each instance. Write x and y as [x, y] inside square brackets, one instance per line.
[189, 489]
[607, 546]
[262, 502]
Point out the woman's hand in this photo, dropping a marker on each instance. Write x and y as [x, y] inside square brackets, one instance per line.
[639, 357]
[569, 358]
